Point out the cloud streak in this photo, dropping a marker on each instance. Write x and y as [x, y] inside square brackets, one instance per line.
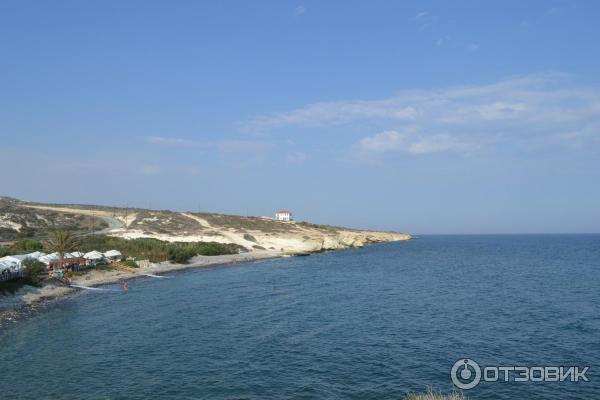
[520, 112]
[224, 145]
[394, 141]
[300, 10]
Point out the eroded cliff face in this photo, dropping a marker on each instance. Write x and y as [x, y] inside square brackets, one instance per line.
[315, 240]
[348, 239]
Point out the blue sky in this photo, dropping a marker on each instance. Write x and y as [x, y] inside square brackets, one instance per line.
[426, 117]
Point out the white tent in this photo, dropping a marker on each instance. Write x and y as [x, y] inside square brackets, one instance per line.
[48, 258]
[5, 267]
[113, 253]
[77, 254]
[14, 259]
[93, 255]
[8, 268]
[11, 263]
[35, 255]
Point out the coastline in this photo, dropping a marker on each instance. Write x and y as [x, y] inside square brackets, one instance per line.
[28, 297]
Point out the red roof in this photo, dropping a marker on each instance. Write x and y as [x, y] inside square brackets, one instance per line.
[283, 212]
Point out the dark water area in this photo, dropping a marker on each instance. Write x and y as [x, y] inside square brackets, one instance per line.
[371, 323]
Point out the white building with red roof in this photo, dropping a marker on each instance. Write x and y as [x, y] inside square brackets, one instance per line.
[283, 215]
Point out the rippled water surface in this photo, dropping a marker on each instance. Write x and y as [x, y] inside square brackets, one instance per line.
[371, 323]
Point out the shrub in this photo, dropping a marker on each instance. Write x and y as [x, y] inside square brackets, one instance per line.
[431, 395]
[130, 264]
[156, 250]
[33, 269]
[180, 255]
[26, 246]
[249, 237]
[4, 251]
[21, 246]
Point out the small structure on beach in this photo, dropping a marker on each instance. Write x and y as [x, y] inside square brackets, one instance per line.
[54, 261]
[10, 268]
[113, 255]
[17, 259]
[48, 258]
[283, 215]
[94, 258]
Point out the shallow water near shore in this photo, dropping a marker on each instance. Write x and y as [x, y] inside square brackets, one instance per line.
[371, 323]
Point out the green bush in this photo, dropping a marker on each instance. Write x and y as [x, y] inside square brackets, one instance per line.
[33, 269]
[20, 247]
[26, 246]
[179, 254]
[130, 263]
[156, 250]
[4, 251]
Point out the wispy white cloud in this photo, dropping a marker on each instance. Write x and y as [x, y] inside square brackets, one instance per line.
[300, 10]
[167, 141]
[425, 19]
[334, 113]
[519, 112]
[554, 10]
[224, 145]
[409, 142]
[473, 46]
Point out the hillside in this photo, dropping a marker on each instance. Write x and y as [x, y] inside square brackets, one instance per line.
[18, 221]
[23, 219]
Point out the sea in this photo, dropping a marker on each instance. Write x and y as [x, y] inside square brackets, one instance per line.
[372, 323]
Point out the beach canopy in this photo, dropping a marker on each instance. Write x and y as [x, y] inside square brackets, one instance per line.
[5, 267]
[48, 258]
[10, 263]
[93, 255]
[113, 253]
[35, 255]
[15, 259]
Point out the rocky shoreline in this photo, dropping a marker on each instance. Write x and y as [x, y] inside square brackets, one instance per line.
[29, 296]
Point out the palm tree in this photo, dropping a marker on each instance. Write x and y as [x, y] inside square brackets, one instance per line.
[62, 242]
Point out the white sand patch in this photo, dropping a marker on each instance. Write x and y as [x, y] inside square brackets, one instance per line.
[38, 216]
[6, 223]
[201, 221]
[126, 220]
[136, 234]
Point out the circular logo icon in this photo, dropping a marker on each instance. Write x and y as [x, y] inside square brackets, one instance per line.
[465, 373]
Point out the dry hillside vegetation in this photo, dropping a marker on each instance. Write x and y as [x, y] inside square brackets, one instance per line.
[252, 233]
[17, 222]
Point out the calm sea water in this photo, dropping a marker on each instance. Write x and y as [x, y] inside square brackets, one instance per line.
[372, 323]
